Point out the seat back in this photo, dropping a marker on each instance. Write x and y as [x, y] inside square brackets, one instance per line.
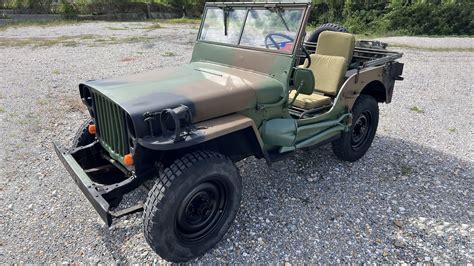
[328, 72]
[329, 63]
[336, 44]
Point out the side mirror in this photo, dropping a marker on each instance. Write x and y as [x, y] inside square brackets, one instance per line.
[304, 81]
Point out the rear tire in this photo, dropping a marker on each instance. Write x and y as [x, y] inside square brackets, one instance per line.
[354, 143]
[83, 137]
[192, 205]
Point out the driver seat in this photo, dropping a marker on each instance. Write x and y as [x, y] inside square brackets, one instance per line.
[329, 65]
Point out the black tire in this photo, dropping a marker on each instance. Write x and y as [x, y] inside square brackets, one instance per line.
[313, 37]
[83, 137]
[192, 205]
[365, 117]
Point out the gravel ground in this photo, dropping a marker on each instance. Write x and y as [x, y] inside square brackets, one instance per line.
[410, 199]
[430, 42]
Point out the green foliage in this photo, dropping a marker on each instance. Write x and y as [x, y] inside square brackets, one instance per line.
[192, 8]
[379, 17]
[408, 17]
[69, 9]
[29, 6]
[431, 19]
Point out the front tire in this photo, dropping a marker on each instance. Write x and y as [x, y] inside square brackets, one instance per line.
[354, 143]
[192, 205]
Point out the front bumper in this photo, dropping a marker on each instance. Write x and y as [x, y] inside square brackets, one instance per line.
[87, 186]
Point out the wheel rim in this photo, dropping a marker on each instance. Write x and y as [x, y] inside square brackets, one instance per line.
[201, 211]
[361, 129]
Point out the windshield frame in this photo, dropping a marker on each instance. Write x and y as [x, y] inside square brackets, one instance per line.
[305, 7]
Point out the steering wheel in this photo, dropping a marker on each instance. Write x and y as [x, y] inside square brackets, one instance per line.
[270, 41]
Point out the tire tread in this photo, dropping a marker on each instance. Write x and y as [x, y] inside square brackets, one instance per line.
[158, 192]
[340, 146]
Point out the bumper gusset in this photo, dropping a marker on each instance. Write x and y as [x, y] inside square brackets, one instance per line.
[102, 197]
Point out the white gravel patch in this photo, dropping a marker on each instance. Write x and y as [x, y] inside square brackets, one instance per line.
[86, 28]
[408, 200]
[432, 42]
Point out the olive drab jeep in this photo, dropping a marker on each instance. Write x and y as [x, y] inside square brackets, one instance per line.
[253, 87]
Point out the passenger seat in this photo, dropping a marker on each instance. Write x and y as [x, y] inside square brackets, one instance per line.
[329, 64]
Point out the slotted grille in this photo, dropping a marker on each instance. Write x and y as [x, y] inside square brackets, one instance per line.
[111, 128]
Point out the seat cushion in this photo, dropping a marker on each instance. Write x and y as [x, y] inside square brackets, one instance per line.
[309, 101]
[336, 44]
[328, 72]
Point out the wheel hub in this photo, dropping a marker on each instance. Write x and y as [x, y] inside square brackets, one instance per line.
[201, 210]
[360, 130]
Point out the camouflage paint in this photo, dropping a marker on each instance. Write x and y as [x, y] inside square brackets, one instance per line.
[220, 80]
[224, 79]
[346, 98]
[210, 90]
[227, 89]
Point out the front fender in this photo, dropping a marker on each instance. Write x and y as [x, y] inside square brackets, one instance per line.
[205, 131]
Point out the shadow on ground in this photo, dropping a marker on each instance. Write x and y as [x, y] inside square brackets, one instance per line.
[395, 204]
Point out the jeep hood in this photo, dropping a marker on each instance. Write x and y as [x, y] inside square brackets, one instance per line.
[209, 90]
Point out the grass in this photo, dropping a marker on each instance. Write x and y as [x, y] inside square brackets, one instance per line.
[416, 109]
[118, 28]
[452, 130]
[2, 110]
[62, 22]
[152, 27]
[40, 23]
[70, 41]
[56, 72]
[42, 102]
[168, 54]
[181, 21]
[405, 170]
[135, 39]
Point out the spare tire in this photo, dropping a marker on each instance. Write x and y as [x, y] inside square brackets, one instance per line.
[313, 37]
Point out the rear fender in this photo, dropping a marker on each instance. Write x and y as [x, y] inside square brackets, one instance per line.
[378, 81]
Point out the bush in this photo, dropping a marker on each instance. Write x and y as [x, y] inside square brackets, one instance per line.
[366, 21]
[423, 17]
[122, 6]
[430, 19]
[69, 9]
[32, 6]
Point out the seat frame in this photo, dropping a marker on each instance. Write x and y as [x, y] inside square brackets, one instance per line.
[301, 112]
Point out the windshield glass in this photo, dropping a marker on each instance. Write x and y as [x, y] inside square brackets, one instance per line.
[273, 29]
[214, 28]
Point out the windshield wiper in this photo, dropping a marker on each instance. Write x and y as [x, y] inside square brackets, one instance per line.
[275, 8]
[283, 19]
[226, 18]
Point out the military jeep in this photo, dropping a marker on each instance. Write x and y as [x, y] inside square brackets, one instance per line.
[253, 87]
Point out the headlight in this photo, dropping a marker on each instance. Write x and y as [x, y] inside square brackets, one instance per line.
[174, 121]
